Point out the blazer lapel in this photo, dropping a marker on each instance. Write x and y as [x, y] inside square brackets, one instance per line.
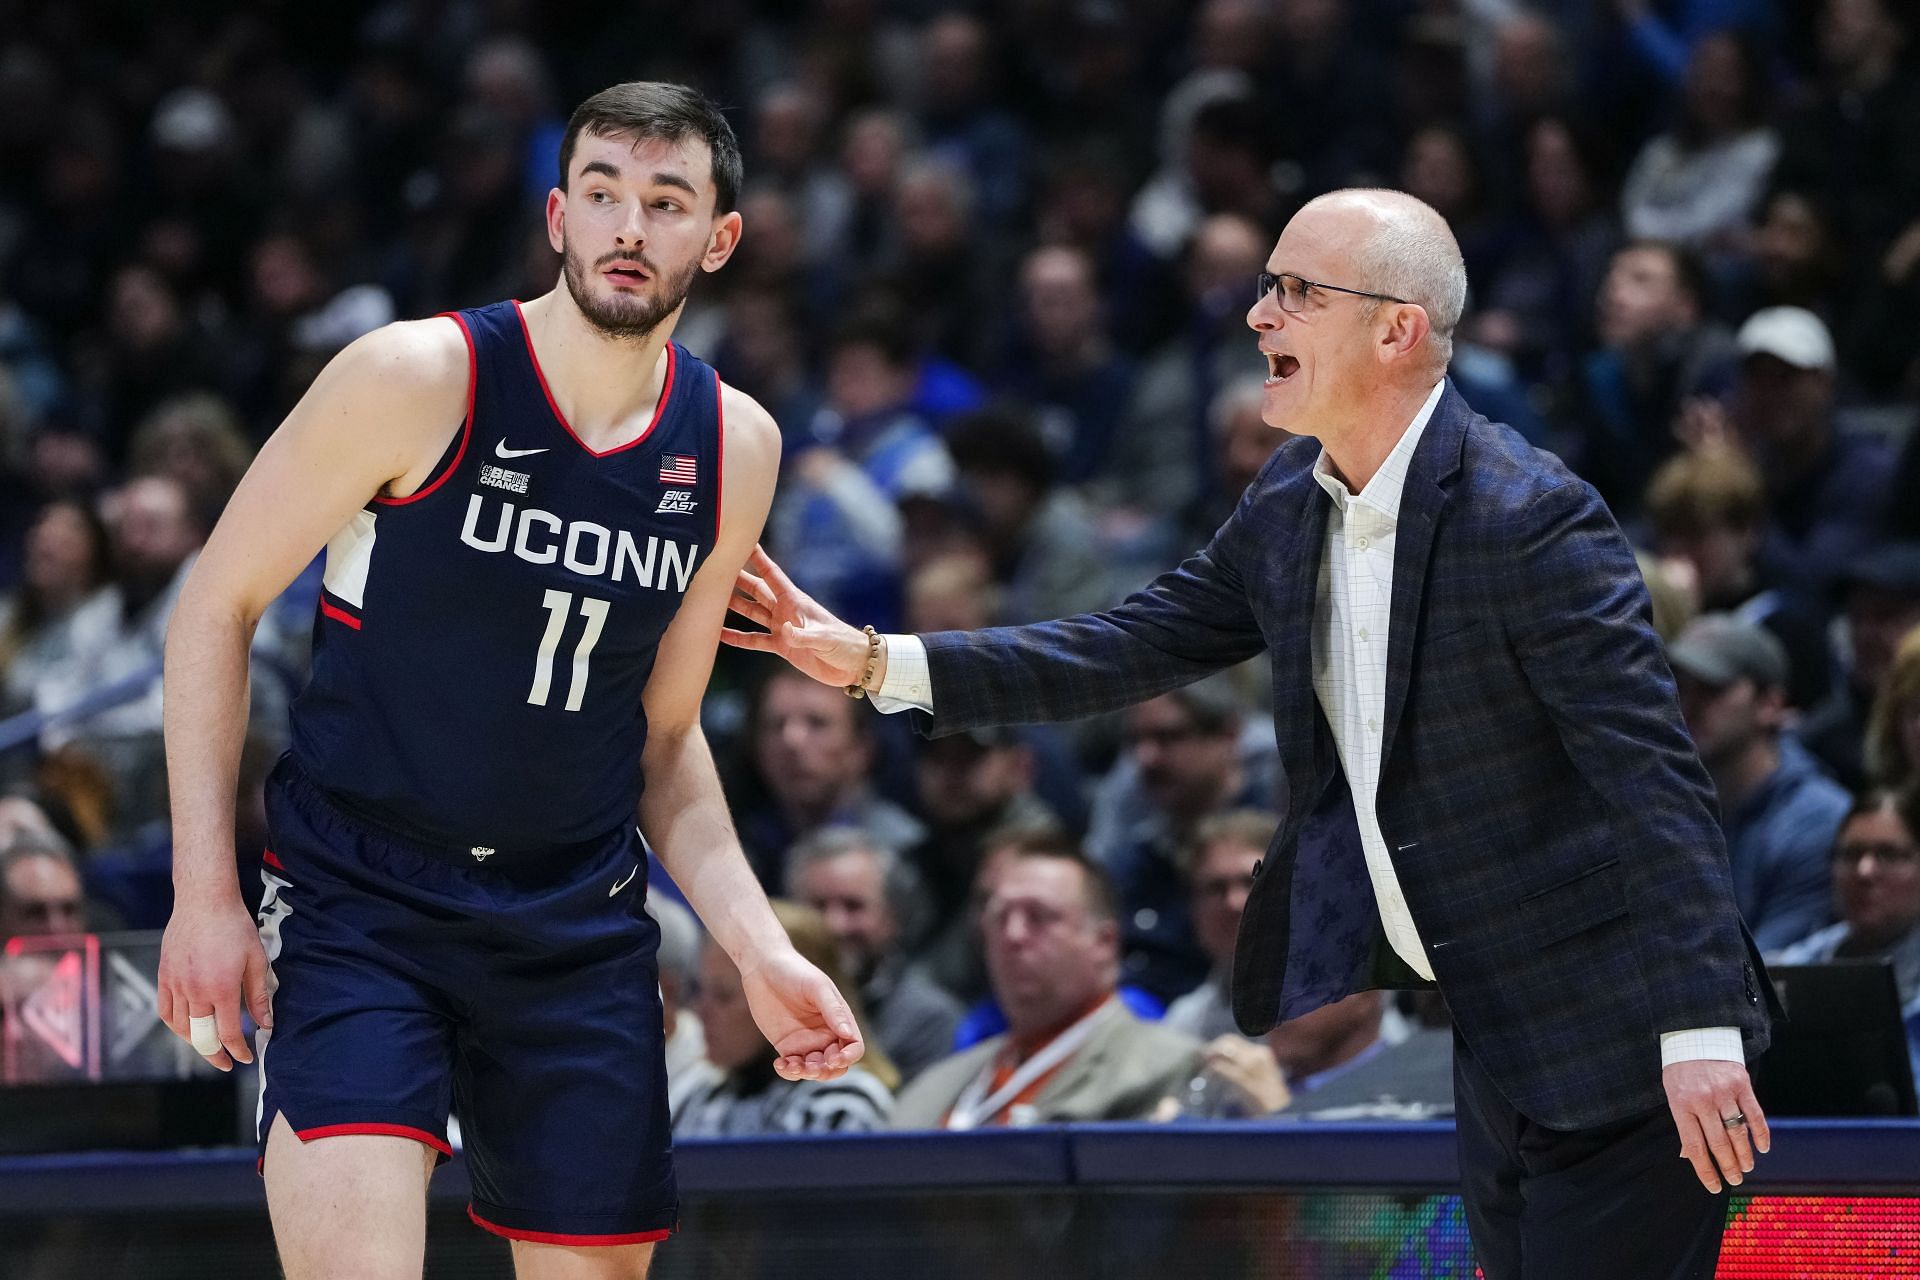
[1435, 461]
[1293, 577]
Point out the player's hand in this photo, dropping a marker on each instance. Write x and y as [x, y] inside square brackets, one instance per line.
[797, 628]
[210, 960]
[803, 1017]
[1703, 1095]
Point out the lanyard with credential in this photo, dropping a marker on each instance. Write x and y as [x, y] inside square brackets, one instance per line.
[975, 1106]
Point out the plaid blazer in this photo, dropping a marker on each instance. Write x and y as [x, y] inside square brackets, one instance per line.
[1547, 816]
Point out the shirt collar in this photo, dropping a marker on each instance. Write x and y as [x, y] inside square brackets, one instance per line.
[1383, 491]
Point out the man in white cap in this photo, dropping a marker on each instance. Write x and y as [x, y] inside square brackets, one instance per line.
[1826, 488]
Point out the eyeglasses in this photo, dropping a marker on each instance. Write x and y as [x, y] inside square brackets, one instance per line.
[1296, 290]
[1886, 855]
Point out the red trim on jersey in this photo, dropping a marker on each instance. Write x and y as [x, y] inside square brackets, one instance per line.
[380, 1130]
[272, 860]
[720, 451]
[338, 614]
[466, 427]
[559, 1237]
[659, 410]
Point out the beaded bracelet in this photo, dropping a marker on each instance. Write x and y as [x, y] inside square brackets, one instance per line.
[873, 660]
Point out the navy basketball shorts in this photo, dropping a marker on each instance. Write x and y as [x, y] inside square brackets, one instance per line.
[519, 993]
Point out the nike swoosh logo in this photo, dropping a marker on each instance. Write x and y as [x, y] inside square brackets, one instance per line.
[501, 451]
[624, 883]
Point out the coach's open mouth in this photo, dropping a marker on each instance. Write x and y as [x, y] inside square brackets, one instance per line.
[1281, 367]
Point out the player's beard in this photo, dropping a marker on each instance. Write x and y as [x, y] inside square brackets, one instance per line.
[627, 317]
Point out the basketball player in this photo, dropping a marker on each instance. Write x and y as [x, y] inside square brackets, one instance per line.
[532, 517]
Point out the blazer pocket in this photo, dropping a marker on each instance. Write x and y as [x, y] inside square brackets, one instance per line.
[1559, 911]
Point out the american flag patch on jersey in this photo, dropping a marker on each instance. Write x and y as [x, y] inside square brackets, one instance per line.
[676, 468]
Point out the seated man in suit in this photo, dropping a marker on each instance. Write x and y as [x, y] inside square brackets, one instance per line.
[1072, 1051]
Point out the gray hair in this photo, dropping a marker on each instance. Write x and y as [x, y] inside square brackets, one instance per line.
[900, 880]
[1412, 254]
[679, 940]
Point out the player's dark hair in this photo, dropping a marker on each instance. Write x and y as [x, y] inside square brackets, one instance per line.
[668, 112]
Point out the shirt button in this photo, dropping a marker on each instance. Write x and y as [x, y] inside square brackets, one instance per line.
[1373, 725]
[1362, 544]
[1145, 918]
[1363, 633]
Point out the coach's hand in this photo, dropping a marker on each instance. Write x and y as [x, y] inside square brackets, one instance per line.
[797, 628]
[211, 959]
[1704, 1095]
[802, 1015]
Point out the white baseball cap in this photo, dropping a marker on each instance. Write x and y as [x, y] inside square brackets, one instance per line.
[1792, 334]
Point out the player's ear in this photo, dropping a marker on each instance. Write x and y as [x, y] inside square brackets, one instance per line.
[556, 219]
[724, 239]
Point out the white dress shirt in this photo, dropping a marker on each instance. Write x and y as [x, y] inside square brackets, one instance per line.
[1352, 611]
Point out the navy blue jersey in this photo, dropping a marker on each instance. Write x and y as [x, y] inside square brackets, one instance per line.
[483, 643]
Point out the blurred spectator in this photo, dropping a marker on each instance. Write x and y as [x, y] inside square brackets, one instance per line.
[1222, 855]
[1707, 512]
[1699, 183]
[1439, 167]
[1893, 730]
[764, 352]
[790, 121]
[1189, 755]
[197, 441]
[1083, 205]
[834, 524]
[960, 117]
[679, 964]
[1071, 1051]
[945, 274]
[1826, 486]
[40, 890]
[1876, 893]
[1796, 260]
[66, 572]
[813, 757]
[744, 1097]
[1852, 138]
[1536, 305]
[1882, 347]
[968, 786]
[1242, 1078]
[1046, 554]
[1242, 444]
[155, 537]
[1063, 362]
[874, 905]
[1881, 590]
[1658, 353]
[151, 352]
[1778, 810]
[1162, 450]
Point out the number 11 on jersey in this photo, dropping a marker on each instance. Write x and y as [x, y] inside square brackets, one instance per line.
[559, 604]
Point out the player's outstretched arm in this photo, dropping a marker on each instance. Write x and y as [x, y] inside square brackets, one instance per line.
[379, 415]
[682, 809]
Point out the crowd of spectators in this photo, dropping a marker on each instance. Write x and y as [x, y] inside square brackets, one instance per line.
[996, 264]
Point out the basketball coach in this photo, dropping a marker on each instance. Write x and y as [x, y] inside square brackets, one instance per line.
[1459, 635]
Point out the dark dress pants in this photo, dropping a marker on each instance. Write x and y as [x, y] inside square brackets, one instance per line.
[1610, 1203]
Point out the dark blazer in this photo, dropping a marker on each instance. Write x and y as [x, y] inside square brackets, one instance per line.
[1547, 816]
